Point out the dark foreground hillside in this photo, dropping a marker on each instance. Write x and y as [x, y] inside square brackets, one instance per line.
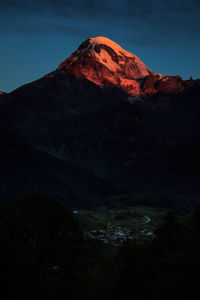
[43, 255]
[104, 144]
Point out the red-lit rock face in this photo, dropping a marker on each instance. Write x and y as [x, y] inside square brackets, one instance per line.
[167, 84]
[106, 64]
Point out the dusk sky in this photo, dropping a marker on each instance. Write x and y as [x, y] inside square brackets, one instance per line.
[36, 35]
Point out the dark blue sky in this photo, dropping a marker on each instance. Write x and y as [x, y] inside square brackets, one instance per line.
[36, 35]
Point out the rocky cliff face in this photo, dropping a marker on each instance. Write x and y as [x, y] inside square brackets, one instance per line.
[168, 85]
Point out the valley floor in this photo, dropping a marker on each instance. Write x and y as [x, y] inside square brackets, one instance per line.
[115, 226]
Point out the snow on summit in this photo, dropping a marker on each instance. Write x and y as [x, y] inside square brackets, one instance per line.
[105, 41]
[105, 63]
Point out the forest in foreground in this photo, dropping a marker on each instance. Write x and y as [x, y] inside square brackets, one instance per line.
[44, 254]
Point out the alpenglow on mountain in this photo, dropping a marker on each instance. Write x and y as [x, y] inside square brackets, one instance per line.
[105, 63]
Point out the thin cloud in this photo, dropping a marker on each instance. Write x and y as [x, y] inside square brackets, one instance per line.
[155, 21]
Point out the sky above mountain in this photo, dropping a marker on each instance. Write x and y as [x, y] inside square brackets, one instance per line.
[36, 35]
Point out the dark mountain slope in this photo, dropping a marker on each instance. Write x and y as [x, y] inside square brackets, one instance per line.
[24, 170]
[135, 145]
[131, 145]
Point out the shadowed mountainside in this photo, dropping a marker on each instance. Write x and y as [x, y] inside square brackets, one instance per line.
[147, 146]
[25, 170]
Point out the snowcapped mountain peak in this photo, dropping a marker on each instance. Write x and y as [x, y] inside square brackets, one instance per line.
[100, 40]
[106, 64]
[113, 56]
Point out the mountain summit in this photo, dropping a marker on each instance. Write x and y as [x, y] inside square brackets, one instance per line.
[106, 64]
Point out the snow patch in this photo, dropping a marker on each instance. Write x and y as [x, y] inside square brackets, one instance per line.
[104, 58]
[105, 41]
[133, 99]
